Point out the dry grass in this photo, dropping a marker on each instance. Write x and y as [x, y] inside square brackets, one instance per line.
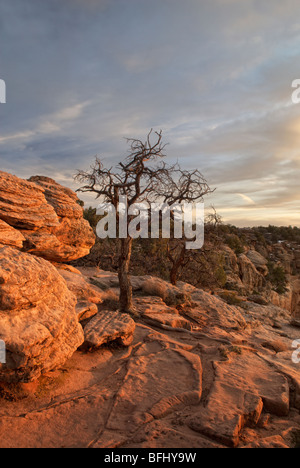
[110, 300]
[231, 298]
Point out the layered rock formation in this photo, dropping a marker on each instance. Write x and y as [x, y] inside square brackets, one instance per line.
[39, 317]
[43, 305]
[44, 218]
[10, 236]
[38, 322]
[248, 275]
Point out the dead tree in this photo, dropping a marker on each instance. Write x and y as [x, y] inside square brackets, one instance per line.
[182, 186]
[137, 179]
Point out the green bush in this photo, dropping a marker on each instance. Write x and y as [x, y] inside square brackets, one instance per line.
[277, 277]
[234, 242]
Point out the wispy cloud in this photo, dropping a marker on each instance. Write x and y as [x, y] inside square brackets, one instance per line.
[214, 76]
[246, 198]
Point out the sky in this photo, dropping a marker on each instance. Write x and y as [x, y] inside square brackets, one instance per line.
[214, 75]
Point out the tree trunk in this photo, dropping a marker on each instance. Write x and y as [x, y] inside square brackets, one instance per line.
[173, 274]
[123, 273]
[176, 265]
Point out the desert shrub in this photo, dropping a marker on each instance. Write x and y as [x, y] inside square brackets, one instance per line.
[231, 298]
[110, 300]
[234, 242]
[277, 277]
[90, 214]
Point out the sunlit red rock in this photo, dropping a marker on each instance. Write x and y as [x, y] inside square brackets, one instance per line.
[10, 236]
[48, 216]
[38, 320]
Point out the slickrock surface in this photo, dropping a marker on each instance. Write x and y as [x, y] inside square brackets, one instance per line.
[38, 321]
[49, 219]
[227, 380]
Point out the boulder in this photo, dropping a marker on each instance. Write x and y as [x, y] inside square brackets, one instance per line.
[108, 326]
[157, 311]
[38, 321]
[48, 217]
[81, 287]
[72, 237]
[23, 204]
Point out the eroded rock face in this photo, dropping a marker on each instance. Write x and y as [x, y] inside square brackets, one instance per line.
[296, 303]
[10, 236]
[47, 217]
[62, 199]
[38, 321]
[258, 261]
[249, 275]
[23, 204]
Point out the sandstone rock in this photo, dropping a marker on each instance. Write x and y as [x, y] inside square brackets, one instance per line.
[10, 236]
[152, 390]
[231, 263]
[85, 310]
[283, 256]
[242, 387]
[216, 311]
[80, 286]
[268, 442]
[257, 299]
[38, 322]
[228, 411]
[251, 278]
[156, 310]
[72, 239]
[258, 261]
[108, 326]
[23, 204]
[295, 303]
[48, 217]
[284, 301]
[285, 365]
[253, 375]
[62, 199]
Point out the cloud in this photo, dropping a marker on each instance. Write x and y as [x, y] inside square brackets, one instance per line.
[214, 76]
[246, 198]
